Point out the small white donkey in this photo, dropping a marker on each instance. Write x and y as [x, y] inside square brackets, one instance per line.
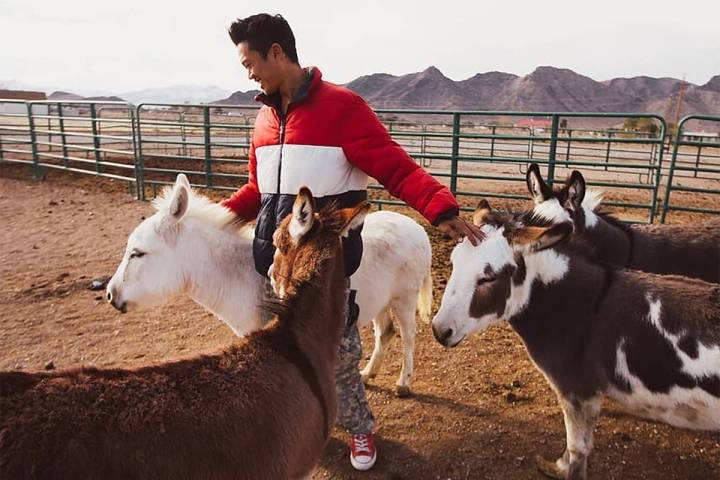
[196, 247]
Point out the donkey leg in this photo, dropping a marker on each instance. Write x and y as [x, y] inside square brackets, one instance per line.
[405, 310]
[579, 421]
[384, 332]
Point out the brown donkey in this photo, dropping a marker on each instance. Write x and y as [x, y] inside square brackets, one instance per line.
[691, 250]
[261, 409]
[651, 343]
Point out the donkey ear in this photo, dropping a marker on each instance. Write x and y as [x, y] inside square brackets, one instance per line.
[576, 191]
[303, 214]
[482, 212]
[354, 217]
[534, 239]
[181, 179]
[538, 189]
[179, 201]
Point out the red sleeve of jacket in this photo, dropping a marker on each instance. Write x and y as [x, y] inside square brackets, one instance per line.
[367, 145]
[246, 201]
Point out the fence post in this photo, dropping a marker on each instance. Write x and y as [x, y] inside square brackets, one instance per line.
[49, 127]
[183, 135]
[96, 140]
[137, 149]
[671, 172]
[492, 142]
[553, 149]
[208, 152]
[567, 151]
[455, 152]
[61, 120]
[531, 143]
[33, 140]
[607, 151]
[657, 170]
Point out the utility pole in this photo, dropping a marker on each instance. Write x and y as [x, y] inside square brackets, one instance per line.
[678, 106]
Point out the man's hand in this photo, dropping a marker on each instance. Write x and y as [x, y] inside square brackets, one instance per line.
[457, 228]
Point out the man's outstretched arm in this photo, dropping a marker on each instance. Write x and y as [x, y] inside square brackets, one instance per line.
[368, 146]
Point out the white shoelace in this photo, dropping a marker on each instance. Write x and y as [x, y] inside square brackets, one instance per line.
[361, 443]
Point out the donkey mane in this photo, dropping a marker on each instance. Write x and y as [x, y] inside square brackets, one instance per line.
[593, 200]
[203, 209]
[614, 221]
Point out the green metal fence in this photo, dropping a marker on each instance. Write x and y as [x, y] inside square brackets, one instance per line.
[76, 136]
[475, 153]
[209, 143]
[695, 167]
[485, 154]
[16, 145]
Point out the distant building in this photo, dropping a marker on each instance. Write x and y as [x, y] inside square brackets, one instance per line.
[20, 95]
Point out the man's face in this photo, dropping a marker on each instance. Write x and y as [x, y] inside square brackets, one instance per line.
[265, 71]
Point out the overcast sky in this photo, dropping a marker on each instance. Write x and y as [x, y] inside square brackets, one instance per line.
[136, 44]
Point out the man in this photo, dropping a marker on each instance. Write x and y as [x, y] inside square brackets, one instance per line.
[311, 132]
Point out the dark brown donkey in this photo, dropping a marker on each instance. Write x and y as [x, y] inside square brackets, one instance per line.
[692, 249]
[261, 409]
[650, 342]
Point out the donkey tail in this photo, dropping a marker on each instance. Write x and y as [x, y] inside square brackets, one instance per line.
[425, 297]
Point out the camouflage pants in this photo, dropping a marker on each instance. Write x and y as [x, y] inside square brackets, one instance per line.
[353, 410]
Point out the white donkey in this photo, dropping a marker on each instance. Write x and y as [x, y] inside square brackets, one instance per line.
[196, 247]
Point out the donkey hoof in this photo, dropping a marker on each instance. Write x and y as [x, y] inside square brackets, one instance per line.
[402, 391]
[366, 376]
[549, 468]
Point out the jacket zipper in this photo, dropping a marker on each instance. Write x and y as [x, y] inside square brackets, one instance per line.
[283, 121]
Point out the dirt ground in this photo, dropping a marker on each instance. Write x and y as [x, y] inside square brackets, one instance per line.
[479, 411]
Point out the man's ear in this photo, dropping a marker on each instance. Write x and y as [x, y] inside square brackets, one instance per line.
[276, 51]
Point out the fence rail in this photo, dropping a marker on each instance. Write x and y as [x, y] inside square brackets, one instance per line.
[694, 169]
[474, 153]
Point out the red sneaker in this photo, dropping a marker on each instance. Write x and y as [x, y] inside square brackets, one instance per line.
[362, 451]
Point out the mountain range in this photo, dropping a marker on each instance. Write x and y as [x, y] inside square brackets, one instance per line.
[171, 94]
[546, 89]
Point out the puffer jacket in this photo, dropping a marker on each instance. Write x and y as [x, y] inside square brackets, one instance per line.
[330, 141]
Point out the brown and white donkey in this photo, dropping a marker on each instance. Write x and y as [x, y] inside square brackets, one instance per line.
[691, 249]
[650, 342]
[261, 409]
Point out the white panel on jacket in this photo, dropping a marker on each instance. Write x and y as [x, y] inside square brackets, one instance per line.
[324, 170]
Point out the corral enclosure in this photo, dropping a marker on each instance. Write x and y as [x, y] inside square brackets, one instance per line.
[649, 174]
[479, 411]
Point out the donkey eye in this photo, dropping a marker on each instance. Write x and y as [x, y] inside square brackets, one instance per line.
[136, 253]
[482, 281]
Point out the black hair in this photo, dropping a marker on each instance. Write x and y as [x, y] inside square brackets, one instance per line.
[260, 31]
